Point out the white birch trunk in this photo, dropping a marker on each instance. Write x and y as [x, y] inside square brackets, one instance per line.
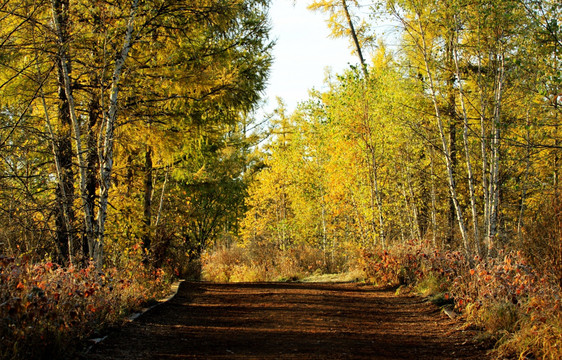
[484, 145]
[495, 158]
[433, 202]
[450, 177]
[525, 178]
[415, 217]
[467, 152]
[106, 152]
[408, 212]
[378, 197]
[161, 202]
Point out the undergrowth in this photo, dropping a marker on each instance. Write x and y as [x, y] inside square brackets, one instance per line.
[266, 262]
[47, 310]
[503, 295]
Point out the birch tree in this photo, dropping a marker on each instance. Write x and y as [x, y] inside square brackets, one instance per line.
[417, 31]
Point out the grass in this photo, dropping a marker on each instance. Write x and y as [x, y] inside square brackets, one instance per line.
[349, 276]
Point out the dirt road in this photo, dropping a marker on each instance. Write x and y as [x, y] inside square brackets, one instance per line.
[290, 321]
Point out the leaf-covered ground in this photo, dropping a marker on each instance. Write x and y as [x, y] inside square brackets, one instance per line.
[290, 321]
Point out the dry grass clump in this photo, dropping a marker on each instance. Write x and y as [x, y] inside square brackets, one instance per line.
[266, 262]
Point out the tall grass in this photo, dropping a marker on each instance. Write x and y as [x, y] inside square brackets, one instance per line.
[266, 262]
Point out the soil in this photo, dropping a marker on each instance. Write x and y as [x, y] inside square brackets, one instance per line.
[290, 321]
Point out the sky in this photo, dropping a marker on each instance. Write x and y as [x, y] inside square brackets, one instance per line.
[302, 54]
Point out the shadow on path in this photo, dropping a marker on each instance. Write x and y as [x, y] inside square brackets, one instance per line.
[289, 321]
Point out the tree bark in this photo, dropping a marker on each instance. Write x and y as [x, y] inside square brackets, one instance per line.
[474, 212]
[355, 39]
[483, 141]
[63, 148]
[106, 150]
[525, 178]
[378, 197]
[147, 204]
[453, 116]
[433, 201]
[94, 113]
[161, 202]
[495, 156]
[445, 147]
[415, 211]
[63, 253]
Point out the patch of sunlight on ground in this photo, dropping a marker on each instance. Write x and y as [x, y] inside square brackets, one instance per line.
[350, 276]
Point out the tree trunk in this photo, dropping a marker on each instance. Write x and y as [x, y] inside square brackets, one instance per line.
[65, 234]
[147, 204]
[495, 157]
[415, 212]
[525, 178]
[161, 203]
[355, 39]
[556, 165]
[61, 245]
[467, 152]
[433, 201]
[408, 212]
[106, 150]
[453, 116]
[382, 235]
[483, 143]
[94, 112]
[446, 150]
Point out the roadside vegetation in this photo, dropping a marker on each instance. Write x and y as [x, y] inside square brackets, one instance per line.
[514, 305]
[49, 312]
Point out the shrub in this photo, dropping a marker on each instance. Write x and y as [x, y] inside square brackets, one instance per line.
[542, 243]
[504, 295]
[46, 309]
[431, 285]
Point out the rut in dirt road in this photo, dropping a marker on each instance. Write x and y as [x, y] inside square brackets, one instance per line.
[290, 321]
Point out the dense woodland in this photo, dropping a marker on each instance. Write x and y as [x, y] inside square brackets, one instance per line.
[123, 123]
[130, 153]
[452, 137]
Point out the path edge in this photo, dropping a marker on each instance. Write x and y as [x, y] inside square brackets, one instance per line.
[173, 292]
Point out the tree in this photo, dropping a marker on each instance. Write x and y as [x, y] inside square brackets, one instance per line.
[211, 59]
[341, 22]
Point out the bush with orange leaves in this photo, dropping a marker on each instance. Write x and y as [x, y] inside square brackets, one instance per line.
[504, 295]
[46, 310]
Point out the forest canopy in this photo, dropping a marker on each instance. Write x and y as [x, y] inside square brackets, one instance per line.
[121, 119]
[452, 135]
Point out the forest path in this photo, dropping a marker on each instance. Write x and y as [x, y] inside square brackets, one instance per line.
[290, 321]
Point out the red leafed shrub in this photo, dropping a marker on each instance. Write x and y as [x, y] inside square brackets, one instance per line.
[505, 295]
[408, 263]
[45, 309]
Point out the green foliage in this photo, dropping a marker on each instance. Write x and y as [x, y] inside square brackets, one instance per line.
[193, 71]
